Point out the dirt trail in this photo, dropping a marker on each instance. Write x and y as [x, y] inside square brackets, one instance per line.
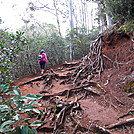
[99, 106]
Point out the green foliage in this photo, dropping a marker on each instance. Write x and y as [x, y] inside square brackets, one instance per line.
[129, 87]
[127, 27]
[25, 130]
[11, 109]
[43, 36]
[55, 47]
[81, 38]
[120, 10]
[17, 63]
[10, 45]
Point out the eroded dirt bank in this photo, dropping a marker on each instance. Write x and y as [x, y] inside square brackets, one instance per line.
[87, 96]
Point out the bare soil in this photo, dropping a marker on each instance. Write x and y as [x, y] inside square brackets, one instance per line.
[99, 107]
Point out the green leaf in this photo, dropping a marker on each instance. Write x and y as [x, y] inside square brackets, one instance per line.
[4, 108]
[17, 117]
[17, 97]
[9, 102]
[1, 99]
[32, 131]
[9, 122]
[34, 102]
[18, 130]
[4, 115]
[24, 129]
[17, 91]
[31, 96]
[30, 107]
[39, 104]
[36, 111]
[36, 123]
[4, 88]
[27, 120]
[19, 104]
[39, 96]
[10, 93]
[30, 113]
[8, 131]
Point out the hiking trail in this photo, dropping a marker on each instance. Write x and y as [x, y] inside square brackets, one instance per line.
[76, 101]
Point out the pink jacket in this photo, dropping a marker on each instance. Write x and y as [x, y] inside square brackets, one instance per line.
[44, 58]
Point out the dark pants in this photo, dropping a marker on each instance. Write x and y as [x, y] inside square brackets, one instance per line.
[42, 64]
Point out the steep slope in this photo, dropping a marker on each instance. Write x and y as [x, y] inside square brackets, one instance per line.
[87, 96]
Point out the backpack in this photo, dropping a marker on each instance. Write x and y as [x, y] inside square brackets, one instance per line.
[40, 57]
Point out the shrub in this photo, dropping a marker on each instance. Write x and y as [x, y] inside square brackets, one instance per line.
[12, 106]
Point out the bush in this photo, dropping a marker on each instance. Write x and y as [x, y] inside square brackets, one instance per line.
[10, 45]
[127, 27]
[12, 106]
[120, 10]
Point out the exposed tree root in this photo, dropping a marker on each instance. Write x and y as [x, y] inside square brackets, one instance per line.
[45, 129]
[131, 95]
[128, 122]
[33, 80]
[78, 89]
[66, 64]
[130, 112]
[99, 130]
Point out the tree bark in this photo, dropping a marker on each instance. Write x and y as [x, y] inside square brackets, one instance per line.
[55, 6]
[71, 27]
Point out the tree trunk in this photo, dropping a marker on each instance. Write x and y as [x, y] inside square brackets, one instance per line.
[54, 1]
[71, 27]
[91, 14]
[109, 21]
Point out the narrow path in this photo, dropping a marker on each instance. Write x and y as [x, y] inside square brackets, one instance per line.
[95, 109]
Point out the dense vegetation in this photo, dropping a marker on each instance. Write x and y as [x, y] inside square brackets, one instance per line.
[12, 109]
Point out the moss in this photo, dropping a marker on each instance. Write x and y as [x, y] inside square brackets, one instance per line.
[129, 87]
[127, 27]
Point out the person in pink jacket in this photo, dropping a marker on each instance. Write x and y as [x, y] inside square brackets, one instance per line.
[42, 60]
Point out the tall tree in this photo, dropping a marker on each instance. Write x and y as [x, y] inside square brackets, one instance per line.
[71, 27]
[57, 18]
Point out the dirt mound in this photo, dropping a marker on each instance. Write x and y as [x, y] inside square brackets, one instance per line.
[87, 96]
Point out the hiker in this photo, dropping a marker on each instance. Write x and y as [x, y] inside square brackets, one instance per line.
[42, 60]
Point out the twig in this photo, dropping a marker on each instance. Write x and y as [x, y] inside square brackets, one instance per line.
[35, 79]
[79, 73]
[126, 122]
[128, 113]
[99, 130]
[118, 100]
[114, 106]
[108, 58]
[131, 95]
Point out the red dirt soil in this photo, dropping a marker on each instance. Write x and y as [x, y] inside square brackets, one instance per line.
[105, 109]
